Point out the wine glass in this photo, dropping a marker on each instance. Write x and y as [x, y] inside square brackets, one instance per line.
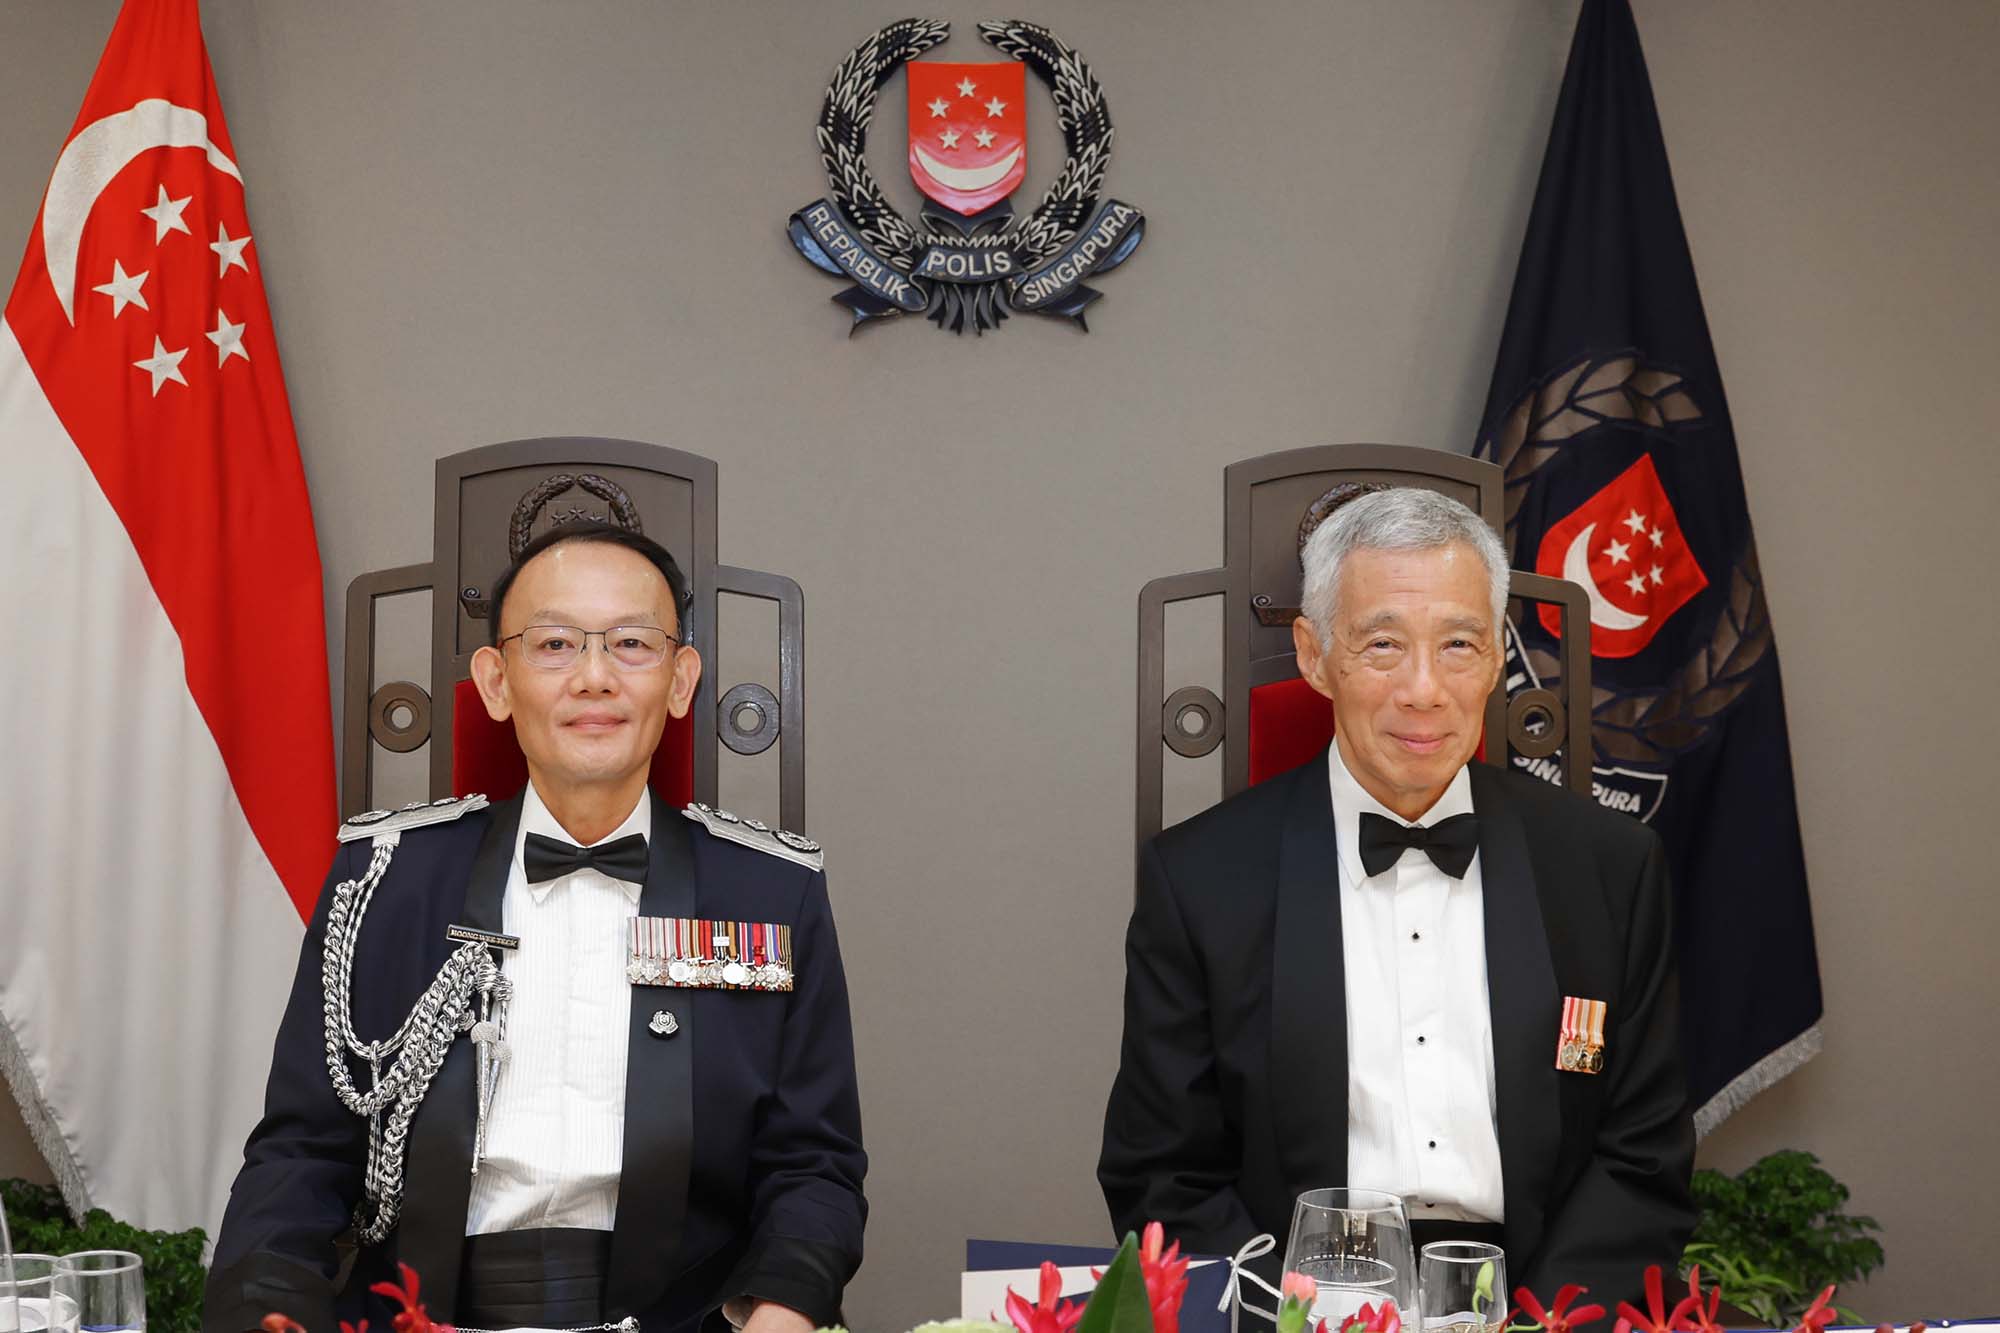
[30, 1300]
[1463, 1286]
[10, 1310]
[108, 1288]
[1355, 1244]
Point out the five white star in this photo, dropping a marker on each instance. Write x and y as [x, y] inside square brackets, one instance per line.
[966, 87]
[1637, 522]
[1659, 537]
[228, 338]
[1659, 576]
[984, 138]
[229, 250]
[123, 289]
[939, 107]
[1637, 583]
[166, 215]
[1618, 553]
[995, 107]
[949, 138]
[162, 365]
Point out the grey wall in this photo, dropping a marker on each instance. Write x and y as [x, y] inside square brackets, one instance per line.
[487, 220]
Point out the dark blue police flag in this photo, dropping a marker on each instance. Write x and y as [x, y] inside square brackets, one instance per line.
[1608, 415]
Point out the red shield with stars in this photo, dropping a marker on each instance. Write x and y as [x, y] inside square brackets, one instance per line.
[968, 132]
[1624, 546]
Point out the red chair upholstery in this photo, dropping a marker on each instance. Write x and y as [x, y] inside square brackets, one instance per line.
[485, 758]
[1290, 722]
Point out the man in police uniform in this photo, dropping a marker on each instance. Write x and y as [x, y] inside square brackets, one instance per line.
[541, 1146]
[1393, 968]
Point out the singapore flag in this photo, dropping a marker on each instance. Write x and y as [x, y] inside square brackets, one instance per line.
[166, 758]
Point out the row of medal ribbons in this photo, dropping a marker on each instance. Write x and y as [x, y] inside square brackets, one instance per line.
[726, 955]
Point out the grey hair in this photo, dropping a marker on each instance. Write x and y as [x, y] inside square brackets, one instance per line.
[1402, 518]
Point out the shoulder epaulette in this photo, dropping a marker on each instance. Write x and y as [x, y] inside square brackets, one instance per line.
[757, 835]
[414, 815]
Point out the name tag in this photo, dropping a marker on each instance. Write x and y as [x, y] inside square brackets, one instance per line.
[492, 940]
[693, 954]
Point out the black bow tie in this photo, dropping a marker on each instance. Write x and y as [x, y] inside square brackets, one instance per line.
[1450, 843]
[551, 858]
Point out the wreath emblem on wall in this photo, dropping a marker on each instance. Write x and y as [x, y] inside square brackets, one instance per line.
[969, 262]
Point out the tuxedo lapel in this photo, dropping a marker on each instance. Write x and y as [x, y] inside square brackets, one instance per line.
[1525, 1007]
[1309, 991]
[438, 1160]
[659, 1094]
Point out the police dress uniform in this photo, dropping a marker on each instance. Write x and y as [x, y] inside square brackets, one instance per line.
[742, 1165]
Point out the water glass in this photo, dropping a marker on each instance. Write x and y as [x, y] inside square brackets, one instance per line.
[1355, 1244]
[28, 1302]
[108, 1288]
[1462, 1285]
[10, 1315]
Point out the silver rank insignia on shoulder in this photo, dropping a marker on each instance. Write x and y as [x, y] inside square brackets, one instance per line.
[756, 834]
[414, 815]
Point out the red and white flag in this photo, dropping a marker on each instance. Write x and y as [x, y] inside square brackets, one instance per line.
[166, 758]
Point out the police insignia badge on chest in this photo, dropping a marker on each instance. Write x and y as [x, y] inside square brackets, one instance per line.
[1580, 1045]
[694, 954]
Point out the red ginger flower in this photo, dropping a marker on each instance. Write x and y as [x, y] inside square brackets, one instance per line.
[1696, 1315]
[277, 1323]
[1047, 1315]
[1656, 1318]
[1819, 1314]
[413, 1319]
[1370, 1319]
[1557, 1318]
[1166, 1278]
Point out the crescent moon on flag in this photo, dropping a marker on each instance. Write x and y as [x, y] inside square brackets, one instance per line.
[93, 158]
[1576, 568]
[968, 179]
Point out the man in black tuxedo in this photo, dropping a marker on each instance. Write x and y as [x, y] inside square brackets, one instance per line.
[1318, 995]
[570, 1161]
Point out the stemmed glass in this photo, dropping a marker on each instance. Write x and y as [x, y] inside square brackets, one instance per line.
[1463, 1286]
[35, 1305]
[107, 1286]
[1355, 1244]
[10, 1310]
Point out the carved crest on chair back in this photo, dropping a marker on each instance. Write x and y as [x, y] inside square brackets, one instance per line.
[490, 503]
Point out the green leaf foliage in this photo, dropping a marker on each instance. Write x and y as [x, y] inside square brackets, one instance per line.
[1120, 1304]
[1774, 1235]
[40, 1224]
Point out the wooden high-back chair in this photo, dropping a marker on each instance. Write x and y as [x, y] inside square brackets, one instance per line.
[1267, 719]
[492, 501]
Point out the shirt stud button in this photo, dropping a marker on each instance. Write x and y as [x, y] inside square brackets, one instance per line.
[1416, 935]
[1434, 1143]
[1420, 1041]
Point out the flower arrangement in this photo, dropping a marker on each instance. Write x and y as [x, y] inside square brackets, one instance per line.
[1141, 1291]
[1697, 1312]
[411, 1319]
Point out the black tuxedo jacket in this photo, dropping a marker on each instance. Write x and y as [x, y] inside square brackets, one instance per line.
[1231, 1095]
[743, 1162]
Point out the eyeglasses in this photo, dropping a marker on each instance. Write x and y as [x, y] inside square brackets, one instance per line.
[559, 647]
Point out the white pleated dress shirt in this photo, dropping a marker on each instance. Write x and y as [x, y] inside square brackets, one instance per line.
[555, 1137]
[1420, 1093]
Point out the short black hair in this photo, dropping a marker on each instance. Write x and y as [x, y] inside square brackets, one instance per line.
[604, 534]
